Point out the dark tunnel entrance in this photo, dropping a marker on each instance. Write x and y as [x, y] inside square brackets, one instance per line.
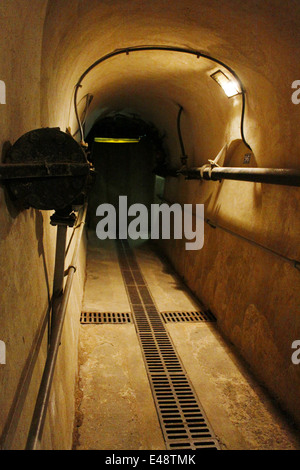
[125, 168]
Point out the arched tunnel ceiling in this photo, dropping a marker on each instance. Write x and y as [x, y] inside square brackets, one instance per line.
[258, 40]
[155, 92]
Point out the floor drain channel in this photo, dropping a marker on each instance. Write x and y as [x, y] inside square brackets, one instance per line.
[182, 419]
[88, 318]
[173, 317]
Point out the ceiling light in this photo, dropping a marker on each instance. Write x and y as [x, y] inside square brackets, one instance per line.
[112, 140]
[229, 85]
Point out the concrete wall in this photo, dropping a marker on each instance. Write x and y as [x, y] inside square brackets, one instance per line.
[27, 249]
[254, 294]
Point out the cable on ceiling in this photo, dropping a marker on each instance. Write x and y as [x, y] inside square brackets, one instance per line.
[89, 98]
[183, 154]
[127, 50]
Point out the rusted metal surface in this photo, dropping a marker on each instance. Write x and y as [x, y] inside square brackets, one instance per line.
[13, 171]
[46, 169]
[105, 318]
[192, 317]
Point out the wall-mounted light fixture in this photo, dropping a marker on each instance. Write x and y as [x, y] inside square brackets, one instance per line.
[229, 85]
[111, 140]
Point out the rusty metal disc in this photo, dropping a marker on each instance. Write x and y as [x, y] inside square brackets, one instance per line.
[57, 189]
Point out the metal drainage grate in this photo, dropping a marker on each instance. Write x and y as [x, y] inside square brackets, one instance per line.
[87, 318]
[182, 419]
[173, 317]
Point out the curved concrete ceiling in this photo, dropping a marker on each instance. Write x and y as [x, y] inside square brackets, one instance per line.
[258, 40]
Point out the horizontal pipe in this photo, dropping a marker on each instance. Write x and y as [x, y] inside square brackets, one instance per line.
[12, 171]
[281, 176]
[39, 415]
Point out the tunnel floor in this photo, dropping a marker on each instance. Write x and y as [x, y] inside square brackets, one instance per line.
[116, 409]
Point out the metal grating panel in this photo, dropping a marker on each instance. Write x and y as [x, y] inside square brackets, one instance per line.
[182, 419]
[88, 318]
[173, 317]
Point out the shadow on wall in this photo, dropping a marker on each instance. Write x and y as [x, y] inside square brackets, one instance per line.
[5, 198]
[237, 155]
[39, 231]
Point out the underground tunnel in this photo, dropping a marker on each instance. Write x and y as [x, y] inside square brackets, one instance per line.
[117, 332]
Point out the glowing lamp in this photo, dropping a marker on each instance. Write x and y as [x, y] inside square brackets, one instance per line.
[230, 85]
[111, 140]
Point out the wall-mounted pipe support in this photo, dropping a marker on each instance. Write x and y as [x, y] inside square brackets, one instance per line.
[62, 220]
[280, 176]
[39, 415]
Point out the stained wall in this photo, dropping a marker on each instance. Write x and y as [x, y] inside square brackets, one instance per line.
[27, 249]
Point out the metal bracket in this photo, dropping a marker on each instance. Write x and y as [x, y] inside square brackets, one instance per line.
[63, 217]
